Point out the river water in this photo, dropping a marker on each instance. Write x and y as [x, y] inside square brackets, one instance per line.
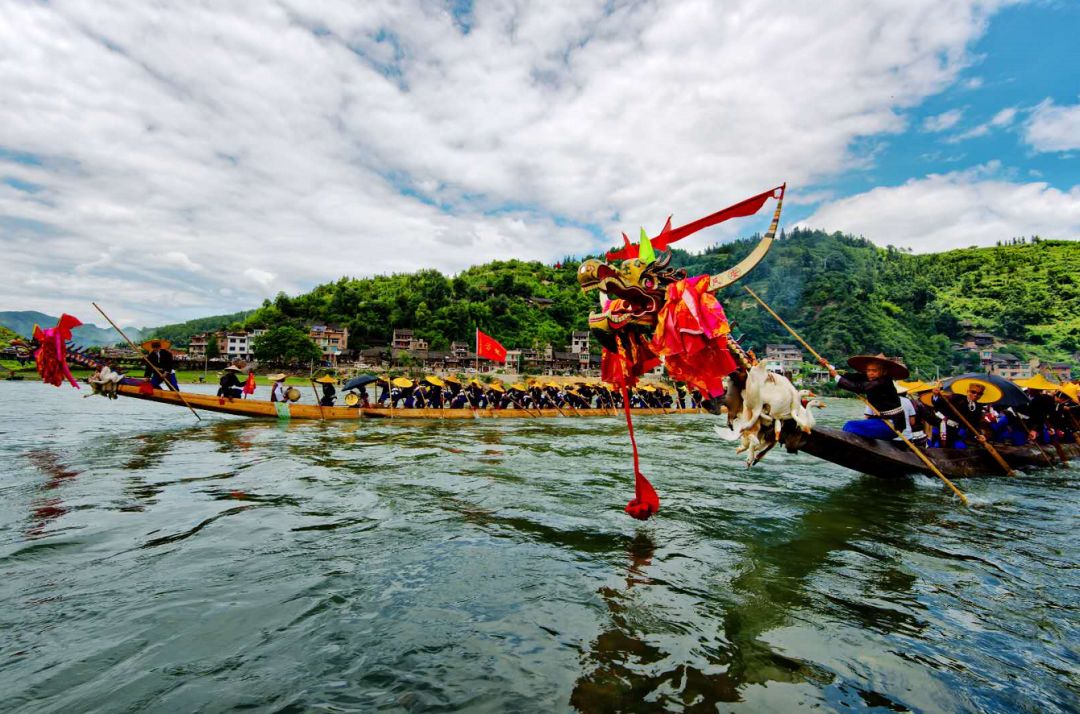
[152, 562]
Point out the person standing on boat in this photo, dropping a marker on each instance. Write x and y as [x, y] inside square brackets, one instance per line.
[969, 397]
[329, 393]
[162, 358]
[277, 390]
[873, 378]
[229, 384]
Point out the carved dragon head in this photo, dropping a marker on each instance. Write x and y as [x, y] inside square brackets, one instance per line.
[636, 290]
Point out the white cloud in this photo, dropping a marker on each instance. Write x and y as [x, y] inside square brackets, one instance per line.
[1000, 120]
[1053, 128]
[943, 121]
[1004, 117]
[954, 210]
[304, 142]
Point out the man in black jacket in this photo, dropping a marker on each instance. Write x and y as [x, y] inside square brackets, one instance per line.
[968, 400]
[161, 358]
[873, 378]
[229, 384]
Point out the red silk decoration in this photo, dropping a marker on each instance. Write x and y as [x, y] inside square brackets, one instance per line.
[668, 236]
[691, 335]
[632, 360]
[249, 385]
[645, 502]
[51, 356]
[489, 348]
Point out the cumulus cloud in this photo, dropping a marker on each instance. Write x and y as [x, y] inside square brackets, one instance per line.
[1053, 128]
[303, 142]
[965, 208]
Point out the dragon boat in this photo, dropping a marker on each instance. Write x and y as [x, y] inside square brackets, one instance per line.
[892, 459]
[287, 410]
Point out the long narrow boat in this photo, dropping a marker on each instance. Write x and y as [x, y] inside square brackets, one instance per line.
[287, 410]
[892, 459]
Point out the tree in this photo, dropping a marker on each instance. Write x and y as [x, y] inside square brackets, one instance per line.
[212, 349]
[284, 344]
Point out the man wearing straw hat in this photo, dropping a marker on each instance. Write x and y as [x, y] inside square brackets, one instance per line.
[277, 391]
[229, 384]
[329, 393]
[874, 378]
[159, 356]
[968, 397]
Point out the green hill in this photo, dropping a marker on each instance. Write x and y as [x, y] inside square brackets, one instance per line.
[842, 293]
[180, 333]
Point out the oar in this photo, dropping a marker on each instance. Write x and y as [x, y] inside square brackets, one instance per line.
[318, 402]
[976, 434]
[519, 406]
[1035, 440]
[146, 359]
[925, 459]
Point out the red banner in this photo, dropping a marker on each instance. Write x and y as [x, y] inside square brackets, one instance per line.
[489, 348]
[668, 236]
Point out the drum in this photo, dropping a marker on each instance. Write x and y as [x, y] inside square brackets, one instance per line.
[292, 394]
[352, 399]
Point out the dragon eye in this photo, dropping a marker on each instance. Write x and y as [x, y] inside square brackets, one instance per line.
[649, 283]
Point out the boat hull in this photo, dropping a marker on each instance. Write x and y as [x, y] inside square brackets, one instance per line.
[893, 459]
[286, 410]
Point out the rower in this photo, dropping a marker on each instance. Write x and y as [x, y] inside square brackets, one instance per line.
[277, 391]
[873, 378]
[229, 384]
[969, 397]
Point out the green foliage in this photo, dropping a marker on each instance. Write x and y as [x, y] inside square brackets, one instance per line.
[845, 296]
[285, 344]
[213, 350]
[499, 298]
[180, 334]
[6, 336]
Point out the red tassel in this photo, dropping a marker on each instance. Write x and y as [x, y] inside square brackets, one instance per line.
[645, 502]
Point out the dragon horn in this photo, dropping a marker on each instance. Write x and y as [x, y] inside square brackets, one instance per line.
[722, 280]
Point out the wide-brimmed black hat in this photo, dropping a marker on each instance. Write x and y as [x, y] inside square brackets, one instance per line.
[892, 368]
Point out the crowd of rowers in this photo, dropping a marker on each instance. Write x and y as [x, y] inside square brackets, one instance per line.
[449, 392]
[970, 409]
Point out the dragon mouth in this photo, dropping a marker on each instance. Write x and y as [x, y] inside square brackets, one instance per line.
[629, 304]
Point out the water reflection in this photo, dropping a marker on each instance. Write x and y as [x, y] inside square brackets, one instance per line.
[47, 508]
[630, 669]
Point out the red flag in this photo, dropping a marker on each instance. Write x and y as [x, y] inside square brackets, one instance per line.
[747, 207]
[489, 348]
[249, 385]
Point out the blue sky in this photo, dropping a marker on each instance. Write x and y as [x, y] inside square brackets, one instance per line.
[180, 159]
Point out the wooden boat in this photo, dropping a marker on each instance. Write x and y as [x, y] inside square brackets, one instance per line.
[287, 410]
[892, 459]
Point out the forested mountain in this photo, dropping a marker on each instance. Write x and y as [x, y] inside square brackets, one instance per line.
[842, 293]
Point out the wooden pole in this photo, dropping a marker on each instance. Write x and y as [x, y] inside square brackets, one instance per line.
[976, 433]
[923, 457]
[146, 359]
[1035, 440]
[318, 401]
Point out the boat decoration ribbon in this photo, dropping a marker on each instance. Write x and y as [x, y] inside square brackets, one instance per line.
[650, 312]
[51, 354]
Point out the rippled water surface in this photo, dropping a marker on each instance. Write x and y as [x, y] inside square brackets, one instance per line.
[149, 561]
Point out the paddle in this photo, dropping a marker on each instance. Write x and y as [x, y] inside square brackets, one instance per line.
[1036, 440]
[925, 459]
[146, 359]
